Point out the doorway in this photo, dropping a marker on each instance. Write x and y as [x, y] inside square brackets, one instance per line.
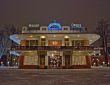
[67, 61]
[42, 61]
[55, 60]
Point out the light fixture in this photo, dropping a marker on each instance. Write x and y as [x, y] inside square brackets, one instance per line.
[52, 54]
[66, 37]
[103, 62]
[42, 37]
[97, 59]
[94, 63]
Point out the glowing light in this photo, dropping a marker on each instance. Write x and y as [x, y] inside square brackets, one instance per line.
[30, 36]
[66, 37]
[99, 54]
[42, 36]
[94, 63]
[97, 59]
[103, 62]
[54, 26]
[52, 55]
[78, 35]
[14, 59]
[30, 51]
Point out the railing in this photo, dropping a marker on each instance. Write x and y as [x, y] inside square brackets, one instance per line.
[53, 48]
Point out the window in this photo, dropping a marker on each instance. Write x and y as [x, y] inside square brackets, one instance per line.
[33, 42]
[65, 28]
[54, 42]
[77, 42]
[43, 41]
[37, 28]
[43, 29]
[66, 41]
[24, 43]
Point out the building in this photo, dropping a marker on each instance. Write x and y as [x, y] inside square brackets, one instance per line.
[54, 46]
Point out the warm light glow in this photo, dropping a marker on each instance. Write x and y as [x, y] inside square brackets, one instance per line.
[55, 51]
[103, 62]
[1, 62]
[14, 59]
[94, 63]
[52, 55]
[66, 37]
[97, 59]
[54, 35]
[54, 43]
[30, 36]
[78, 35]
[30, 51]
[79, 51]
[42, 37]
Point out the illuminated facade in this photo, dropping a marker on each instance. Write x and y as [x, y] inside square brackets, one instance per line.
[54, 46]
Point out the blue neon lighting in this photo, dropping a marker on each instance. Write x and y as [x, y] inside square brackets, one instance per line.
[54, 26]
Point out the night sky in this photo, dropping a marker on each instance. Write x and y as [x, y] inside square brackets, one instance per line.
[21, 12]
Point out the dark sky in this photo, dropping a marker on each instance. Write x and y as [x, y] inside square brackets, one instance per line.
[87, 12]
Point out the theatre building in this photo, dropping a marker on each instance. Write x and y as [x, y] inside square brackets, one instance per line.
[54, 46]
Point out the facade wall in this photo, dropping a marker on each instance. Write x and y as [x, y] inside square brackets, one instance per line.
[56, 41]
[41, 60]
[64, 58]
[54, 46]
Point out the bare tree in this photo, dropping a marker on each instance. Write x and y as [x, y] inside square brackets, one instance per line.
[5, 42]
[102, 28]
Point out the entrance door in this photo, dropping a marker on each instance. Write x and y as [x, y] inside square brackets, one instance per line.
[67, 61]
[55, 61]
[42, 61]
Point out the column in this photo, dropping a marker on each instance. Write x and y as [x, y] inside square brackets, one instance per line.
[37, 59]
[46, 42]
[63, 59]
[63, 42]
[46, 60]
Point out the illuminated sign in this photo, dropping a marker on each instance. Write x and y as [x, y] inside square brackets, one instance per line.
[54, 26]
[33, 25]
[76, 25]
